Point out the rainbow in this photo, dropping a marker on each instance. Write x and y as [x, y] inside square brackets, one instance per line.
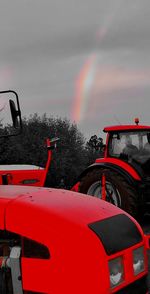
[85, 80]
[83, 88]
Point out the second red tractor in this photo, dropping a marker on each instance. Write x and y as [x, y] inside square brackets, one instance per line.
[122, 176]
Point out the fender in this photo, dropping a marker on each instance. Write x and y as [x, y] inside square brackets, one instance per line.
[123, 168]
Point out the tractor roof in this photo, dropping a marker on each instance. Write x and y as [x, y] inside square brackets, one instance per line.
[122, 128]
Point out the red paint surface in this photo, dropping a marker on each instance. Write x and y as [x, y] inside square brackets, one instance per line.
[28, 177]
[126, 128]
[114, 161]
[59, 220]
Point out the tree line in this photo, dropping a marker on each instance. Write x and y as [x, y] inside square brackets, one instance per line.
[72, 155]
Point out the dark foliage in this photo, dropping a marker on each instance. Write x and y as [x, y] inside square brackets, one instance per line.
[70, 158]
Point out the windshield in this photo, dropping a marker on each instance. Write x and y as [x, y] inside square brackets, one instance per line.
[129, 144]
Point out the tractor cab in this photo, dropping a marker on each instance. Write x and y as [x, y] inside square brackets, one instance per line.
[130, 144]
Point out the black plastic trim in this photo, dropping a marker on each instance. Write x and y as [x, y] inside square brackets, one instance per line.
[138, 287]
[116, 233]
[33, 249]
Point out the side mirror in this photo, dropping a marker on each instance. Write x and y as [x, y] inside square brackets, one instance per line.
[10, 114]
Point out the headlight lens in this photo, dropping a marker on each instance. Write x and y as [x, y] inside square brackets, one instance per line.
[116, 271]
[138, 260]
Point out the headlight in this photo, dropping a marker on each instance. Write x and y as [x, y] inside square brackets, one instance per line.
[116, 271]
[138, 260]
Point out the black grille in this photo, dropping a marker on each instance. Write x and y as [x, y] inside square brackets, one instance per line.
[138, 287]
[117, 233]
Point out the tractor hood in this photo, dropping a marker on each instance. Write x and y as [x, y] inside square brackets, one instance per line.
[63, 203]
[32, 207]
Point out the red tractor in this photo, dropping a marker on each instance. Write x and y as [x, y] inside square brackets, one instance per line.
[21, 174]
[122, 176]
[54, 241]
[27, 174]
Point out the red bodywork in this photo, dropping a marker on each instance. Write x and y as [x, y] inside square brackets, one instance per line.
[121, 164]
[125, 128]
[59, 220]
[26, 174]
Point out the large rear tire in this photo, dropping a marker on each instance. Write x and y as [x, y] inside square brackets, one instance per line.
[118, 191]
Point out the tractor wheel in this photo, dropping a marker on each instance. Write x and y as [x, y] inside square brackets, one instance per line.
[118, 191]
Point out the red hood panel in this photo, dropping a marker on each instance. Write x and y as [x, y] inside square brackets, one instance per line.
[41, 207]
[12, 192]
[7, 195]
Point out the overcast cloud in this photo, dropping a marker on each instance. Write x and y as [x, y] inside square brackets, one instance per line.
[46, 43]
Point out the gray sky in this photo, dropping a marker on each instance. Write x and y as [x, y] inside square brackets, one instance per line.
[87, 60]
